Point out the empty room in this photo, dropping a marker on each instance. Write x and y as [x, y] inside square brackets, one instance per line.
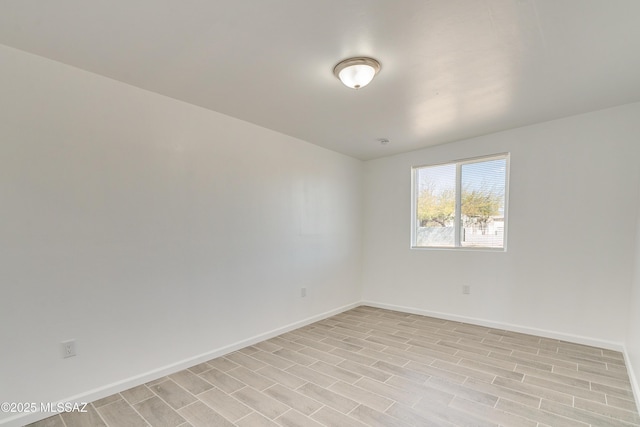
[319, 213]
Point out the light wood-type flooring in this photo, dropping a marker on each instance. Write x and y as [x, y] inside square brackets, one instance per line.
[376, 367]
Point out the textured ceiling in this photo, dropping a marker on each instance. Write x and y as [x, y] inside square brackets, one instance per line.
[451, 69]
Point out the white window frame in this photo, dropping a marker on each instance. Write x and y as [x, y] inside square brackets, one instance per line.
[457, 229]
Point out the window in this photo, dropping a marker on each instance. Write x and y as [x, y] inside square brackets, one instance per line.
[461, 204]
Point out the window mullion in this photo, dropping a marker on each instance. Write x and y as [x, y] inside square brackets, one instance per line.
[457, 219]
[414, 207]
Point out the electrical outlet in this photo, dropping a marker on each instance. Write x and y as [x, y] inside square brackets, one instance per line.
[303, 292]
[466, 289]
[68, 348]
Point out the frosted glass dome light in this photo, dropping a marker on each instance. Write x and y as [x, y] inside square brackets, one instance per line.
[356, 73]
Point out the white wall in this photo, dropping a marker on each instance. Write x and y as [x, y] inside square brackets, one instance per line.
[572, 217]
[633, 336]
[153, 231]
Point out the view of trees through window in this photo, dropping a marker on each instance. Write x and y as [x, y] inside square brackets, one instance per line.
[461, 204]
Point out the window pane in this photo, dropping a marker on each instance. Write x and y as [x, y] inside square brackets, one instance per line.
[482, 203]
[435, 205]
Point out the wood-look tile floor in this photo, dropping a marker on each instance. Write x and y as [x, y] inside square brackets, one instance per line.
[375, 367]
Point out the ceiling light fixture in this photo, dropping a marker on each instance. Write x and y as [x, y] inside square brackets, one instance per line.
[356, 72]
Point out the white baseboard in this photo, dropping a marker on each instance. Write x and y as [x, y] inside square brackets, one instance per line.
[632, 377]
[577, 339]
[98, 393]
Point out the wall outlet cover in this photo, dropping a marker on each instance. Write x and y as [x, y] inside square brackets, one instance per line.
[68, 348]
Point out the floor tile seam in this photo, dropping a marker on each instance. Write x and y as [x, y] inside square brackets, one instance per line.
[337, 379]
[269, 364]
[329, 354]
[501, 340]
[64, 423]
[299, 363]
[468, 379]
[253, 371]
[474, 415]
[304, 395]
[322, 405]
[518, 415]
[225, 359]
[560, 376]
[588, 411]
[373, 342]
[614, 370]
[615, 379]
[388, 385]
[253, 411]
[405, 364]
[205, 363]
[596, 381]
[370, 391]
[143, 400]
[413, 347]
[142, 416]
[271, 386]
[281, 415]
[97, 413]
[467, 349]
[587, 364]
[500, 387]
[163, 400]
[328, 345]
[592, 358]
[625, 390]
[111, 403]
[525, 393]
[546, 360]
[524, 375]
[257, 410]
[524, 363]
[200, 374]
[578, 363]
[215, 410]
[382, 412]
[440, 418]
[367, 338]
[545, 412]
[209, 407]
[393, 402]
[383, 350]
[607, 396]
[465, 367]
[193, 403]
[412, 406]
[573, 396]
[471, 389]
[189, 393]
[397, 332]
[496, 404]
[615, 408]
[306, 380]
[141, 385]
[489, 365]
